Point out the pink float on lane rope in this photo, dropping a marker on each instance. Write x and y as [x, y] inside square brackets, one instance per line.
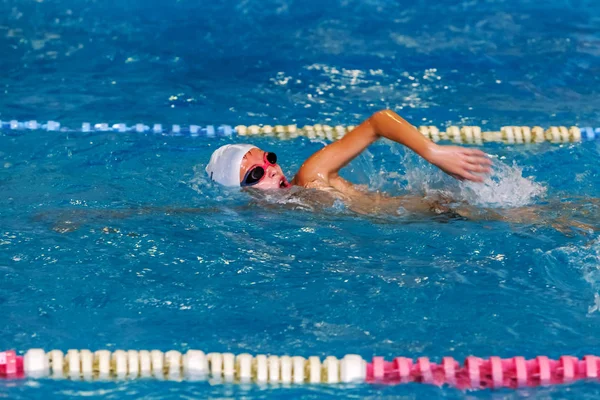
[477, 373]
[11, 365]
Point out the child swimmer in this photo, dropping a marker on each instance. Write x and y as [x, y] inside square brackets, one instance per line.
[244, 165]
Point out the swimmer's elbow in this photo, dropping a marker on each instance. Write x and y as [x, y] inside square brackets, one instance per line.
[381, 120]
[384, 114]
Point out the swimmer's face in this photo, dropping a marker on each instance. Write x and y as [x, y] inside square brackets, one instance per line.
[273, 177]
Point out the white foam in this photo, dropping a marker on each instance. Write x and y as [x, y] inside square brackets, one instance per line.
[505, 187]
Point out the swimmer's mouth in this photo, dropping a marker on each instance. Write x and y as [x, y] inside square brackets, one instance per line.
[284, 184]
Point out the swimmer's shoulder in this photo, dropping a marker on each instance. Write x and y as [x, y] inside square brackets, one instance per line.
[311, 183]
[307, 178]
[333, 184]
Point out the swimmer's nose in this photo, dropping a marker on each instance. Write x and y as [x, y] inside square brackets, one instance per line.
[271, 171]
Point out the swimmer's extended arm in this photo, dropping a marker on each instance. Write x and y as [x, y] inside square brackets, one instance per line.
[459, 162]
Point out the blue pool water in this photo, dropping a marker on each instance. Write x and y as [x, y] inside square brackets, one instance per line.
[119, 241]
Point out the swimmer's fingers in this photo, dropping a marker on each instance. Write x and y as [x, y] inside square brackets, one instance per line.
[479, 160]
[464, 174]
[475, 152]
[472, 152]
[475, 156]
[470, 167]
[459, 162]
[471, 177]
[475, 167]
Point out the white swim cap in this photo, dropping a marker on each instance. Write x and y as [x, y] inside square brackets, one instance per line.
[225, 162]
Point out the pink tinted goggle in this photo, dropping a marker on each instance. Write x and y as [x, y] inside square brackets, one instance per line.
[257, 172]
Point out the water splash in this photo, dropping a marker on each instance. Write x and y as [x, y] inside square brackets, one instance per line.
[504, 187]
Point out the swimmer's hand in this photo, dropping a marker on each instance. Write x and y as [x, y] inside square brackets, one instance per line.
[459, 162]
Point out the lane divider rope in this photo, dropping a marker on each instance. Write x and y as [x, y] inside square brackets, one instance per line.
[464, 134]
[474, 373]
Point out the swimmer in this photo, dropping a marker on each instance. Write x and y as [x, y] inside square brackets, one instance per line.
[247, 166]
